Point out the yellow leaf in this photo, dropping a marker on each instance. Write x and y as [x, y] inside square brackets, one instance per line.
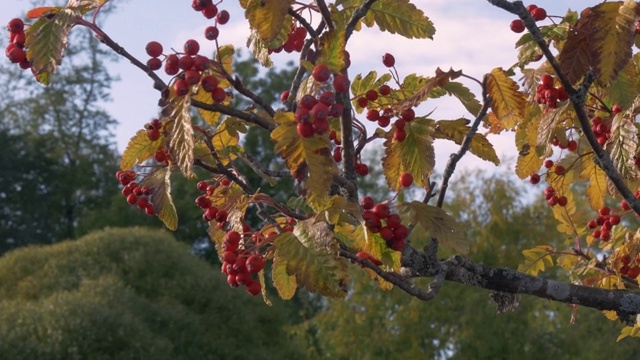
[224, 139]
[633, 331]
[267, 17]
[547, 128]
[456, 131]
[139, 149]
[310, 254]
[565, 214]
[285, 284]
[623, 144]
[403, 18]
[536, 260]
[414, 155]
[597, 188]
[610, 314]
[508, 103]
[180, 137]
[359, 238]
[308, 158]
[332, 46]
[441, 79]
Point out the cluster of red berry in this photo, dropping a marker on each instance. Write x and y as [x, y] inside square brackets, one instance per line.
[393, 231]
[153, 129]
[548, 94]
[210, 10]
[295, 41]
[211, 212]
[240, 263]
[601, 129]
[628, 269]
[537, 13]
[136, 195]
[603, 224]
[553, 198]
[382, 116]
[15, 51]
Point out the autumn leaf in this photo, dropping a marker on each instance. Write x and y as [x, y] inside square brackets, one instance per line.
[46, 41]
[159, 184]
[528, 161]
[311, 255]
[332, 47]
[43, 11]
[536, 260]
[84, 6]
[436, 223]
[267, 17]
[259, 49]
[623, 144]
[139, 149]
[547, 127]
[597, 188]
[508, 103]
[462, 93]
[224, 139]
[360, 85]
[180, 137]
[400, 17]
[310, 156]
[360, 238]
[440, 79]
[457, 130]
[284, 283]
[414, 155]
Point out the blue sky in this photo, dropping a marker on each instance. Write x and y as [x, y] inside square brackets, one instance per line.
[471, 35]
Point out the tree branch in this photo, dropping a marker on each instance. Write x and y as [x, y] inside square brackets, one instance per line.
[326, 14]
[227, 110]
[464, 147]
[357, 15]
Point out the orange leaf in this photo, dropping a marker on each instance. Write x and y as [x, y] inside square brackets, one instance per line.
[42, 11]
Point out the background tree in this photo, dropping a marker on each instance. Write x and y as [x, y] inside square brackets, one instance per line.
[130, 293]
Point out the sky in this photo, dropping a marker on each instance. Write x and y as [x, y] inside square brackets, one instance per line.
[471, 35]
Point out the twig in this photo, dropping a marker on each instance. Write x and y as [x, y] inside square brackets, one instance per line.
[348, 149]
[357, 15]
[227, 110]
[464, 147]
[302, 21]
[397, 280]
[239, 86]
[326, 14]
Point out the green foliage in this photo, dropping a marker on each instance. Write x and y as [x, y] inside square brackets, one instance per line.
[129, 293]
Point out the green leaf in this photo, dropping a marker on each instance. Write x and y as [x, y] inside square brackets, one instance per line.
[403, 18]
[360, 85]
[332, 46]
[436, 223]
[46, 40]
[536, 260]
[139, 149]
[457, 130]
[508, 103]
[422, 93]
[311, 255]
[414, 155]
[159, 184]
[267, 17]
[466, 97]
[285, 284]
[180, 134]
[359, 238]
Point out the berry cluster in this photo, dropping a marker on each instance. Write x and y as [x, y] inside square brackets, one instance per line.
[601, 129]
[15, 51]
[548, 94]
[537, 13]
[153, 129]
[603, 224]
[393, 231]
[210, 11]
[211, 212]
[295, 41]
[553, 198]
[313, 113]
[240, 263]
[136, 195]
[629, 269]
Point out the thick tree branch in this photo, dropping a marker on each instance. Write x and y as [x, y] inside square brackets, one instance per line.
[326, 14]
[227, 110]
[357, 15]
[348, 149]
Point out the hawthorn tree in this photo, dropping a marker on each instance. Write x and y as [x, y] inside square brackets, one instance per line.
[573, 115]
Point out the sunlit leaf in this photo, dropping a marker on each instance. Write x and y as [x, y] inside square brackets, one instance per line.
[224, 139]
[536, 260]
[508, 103]
[403, 18]
[414, 155]
[597, 188]
[267, 17]
[180, 135]
[548, 124]
[284, 283]
[139, 149]
[360, 238]
[43, 11]
[623, 144]
[332, 45]
[466, 97]
[46, 41]
[440, 79]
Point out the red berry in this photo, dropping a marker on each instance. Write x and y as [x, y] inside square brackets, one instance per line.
[534, 179]
[203, 202]
[373, 115]
[186, 62]
[15, 54]
[626, 259]
[406, 179]
[223, 17]
[209, 83]
[371, 95]
[560, 170]
[625, 205]
[210, 11]
[308, 101]
[340, 83]
[254, 288]
[547, 81]
[408, 115]
[305, 129]
[562, 201]
[132, 199]
[572, 145]
[614, 219]
[362, 169]
[284, 96]
[400, 232]
[616, 109]
[384, 121]
[604, 211]
[211, 33]
[154, 49]
[255, 263]
[153, 134]
[399, 135]
[381, 211]
[538, 14]
[386, 233]
[321, 73]
[592, 224]
[337, 154]
[15, 25]
[367, 202]
[384, 90]
[181, 87]
[517, 26]
[388, 60]
[202, 185]
[633, 272]
[192, 77]
[191, 47]
[154, 64]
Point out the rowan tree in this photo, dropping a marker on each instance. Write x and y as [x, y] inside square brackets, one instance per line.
[571, 99]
